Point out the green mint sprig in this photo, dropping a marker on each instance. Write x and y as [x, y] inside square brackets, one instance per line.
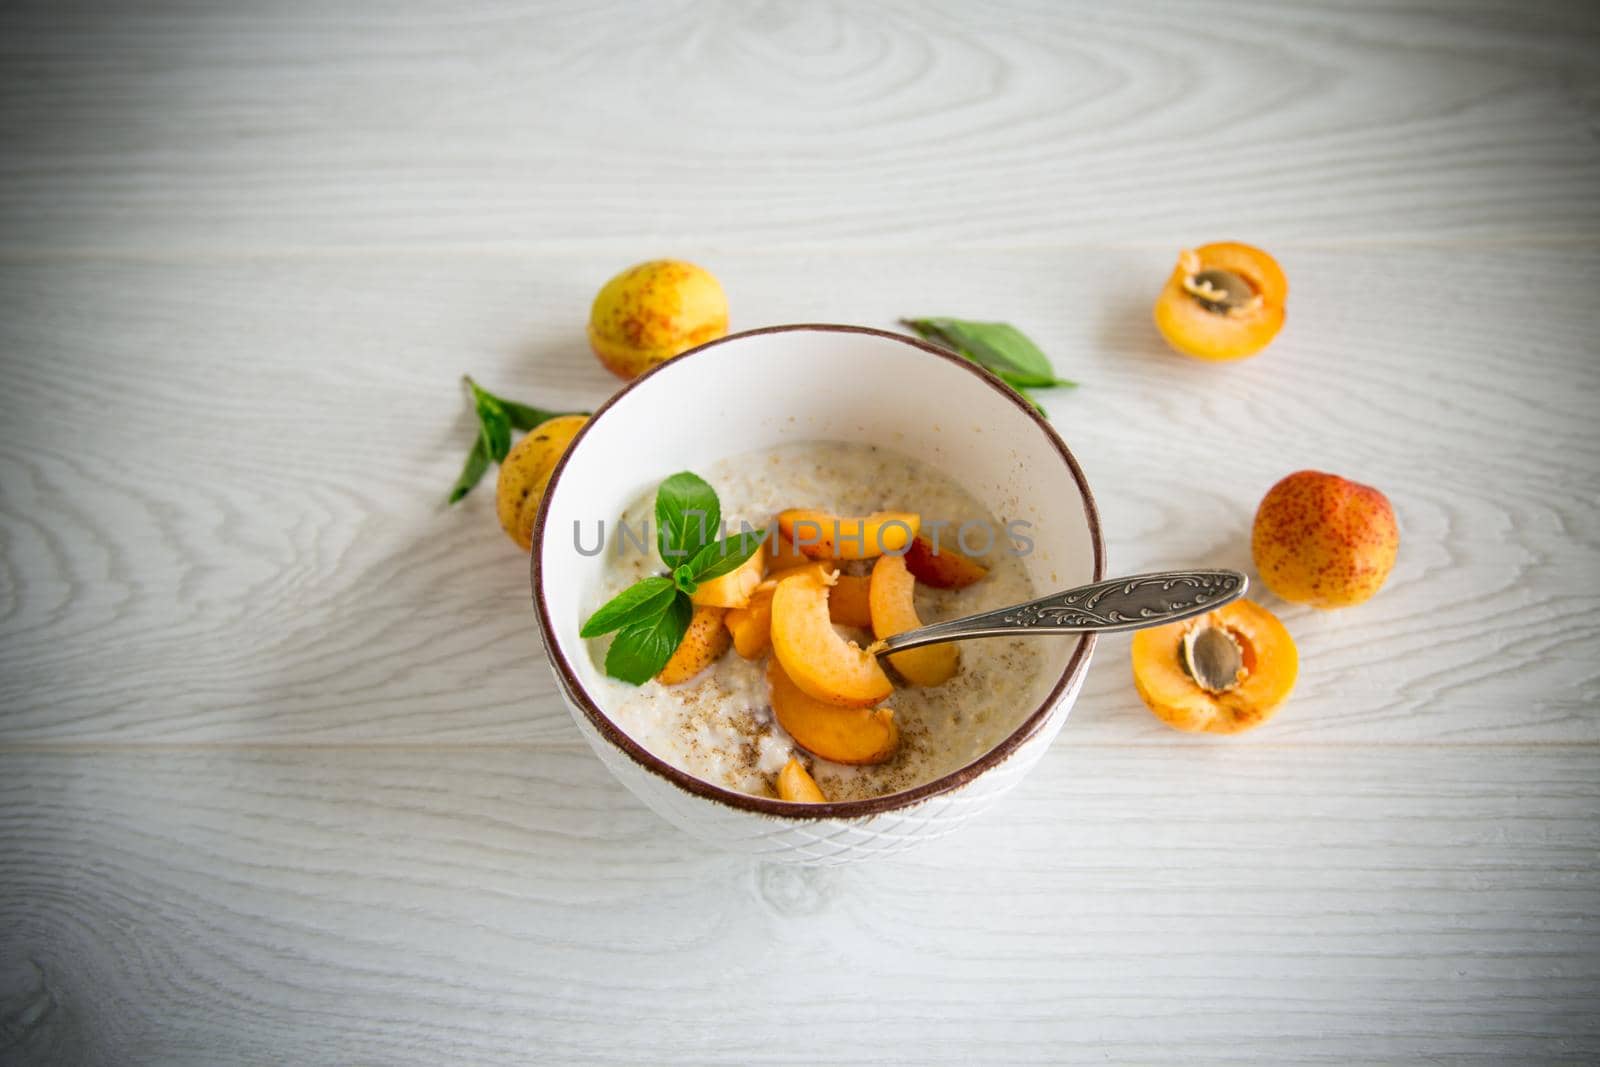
[651, 616]
[999, 348]
[497, 417]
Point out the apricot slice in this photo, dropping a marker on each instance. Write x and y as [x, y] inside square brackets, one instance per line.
[849, 603]
[781, 553]
[823, 536]
[823, 664]
[942, 567]
[751, 625]
[733, 589]
[894, 611]
[703, 644]
[1323, 540]
[843, 735]
[1221, 673]
[798, 787]
[1223, 301]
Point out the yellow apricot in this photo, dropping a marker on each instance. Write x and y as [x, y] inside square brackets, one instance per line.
[654, 311]
[526, 471]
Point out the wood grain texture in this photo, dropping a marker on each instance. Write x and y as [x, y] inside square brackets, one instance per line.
[494, 905]
[220, 490]
[283, 777]
[336, 124]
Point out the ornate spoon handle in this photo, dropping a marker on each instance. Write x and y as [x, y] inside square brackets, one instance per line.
[1132, 603]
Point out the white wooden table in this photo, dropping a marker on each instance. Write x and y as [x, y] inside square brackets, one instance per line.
[283, 776]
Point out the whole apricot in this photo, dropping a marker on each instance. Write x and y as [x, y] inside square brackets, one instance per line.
[654, 311]
[1323, 540]
[525, 472]
[1222, 673]
[1222, 301]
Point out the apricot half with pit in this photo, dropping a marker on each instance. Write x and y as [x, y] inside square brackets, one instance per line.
[823, 536]
[1223, 301]
[844, 735]
[654, 311]
[822, 663]
[894, 611]
[1221, 673]
[1323, 540]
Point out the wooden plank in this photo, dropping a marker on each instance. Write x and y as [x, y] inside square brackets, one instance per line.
[335, 124]
[220, 484]
[509, 904]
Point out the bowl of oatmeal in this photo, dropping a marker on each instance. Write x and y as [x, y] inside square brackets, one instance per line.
[853, 450]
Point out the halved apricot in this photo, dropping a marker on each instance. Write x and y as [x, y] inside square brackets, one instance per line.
[824, 536]
[797, 786]
[843, 735]
[733, 589]
[705, 642]
[1223, 301]
[1221, 673]
[942, 567]
[894, 611]
[822, 663]
[849, 603]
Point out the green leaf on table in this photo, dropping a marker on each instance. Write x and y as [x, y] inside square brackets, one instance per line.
[996, 346]
[494, 426]
[688, 515]
[725, 556]
[471, 472]
[641, 600]
[642, 648]
[497, 417]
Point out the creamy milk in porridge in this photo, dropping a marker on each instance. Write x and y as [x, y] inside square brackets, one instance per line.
[719, 725]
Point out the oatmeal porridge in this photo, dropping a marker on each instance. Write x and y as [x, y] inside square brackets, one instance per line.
[720, 726]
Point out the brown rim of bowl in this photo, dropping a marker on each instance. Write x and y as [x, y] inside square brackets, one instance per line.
[567, 678]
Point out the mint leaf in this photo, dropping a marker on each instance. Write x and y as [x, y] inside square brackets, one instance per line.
[725, 556]
[641, 600]
[642, 648]
[996, 346]
[477, 463]
[688, 515]
[683, 578]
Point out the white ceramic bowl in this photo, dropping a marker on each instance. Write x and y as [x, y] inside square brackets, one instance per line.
[786, 384]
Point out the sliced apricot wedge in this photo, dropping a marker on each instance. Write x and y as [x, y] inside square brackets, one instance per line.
[751, 625]
[822, 663]
[781, 553]
[797, 786]
[823, 536]
[733, 589]
[844, 735]
[942, 566]
[848, 601]
[1223, 301]
[1222, 673]
[705, 642]
[894, 611]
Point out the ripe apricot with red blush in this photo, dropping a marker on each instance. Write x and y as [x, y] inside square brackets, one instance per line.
[1323, 540]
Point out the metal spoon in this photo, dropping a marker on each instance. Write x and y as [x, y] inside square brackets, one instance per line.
[1112, 606]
